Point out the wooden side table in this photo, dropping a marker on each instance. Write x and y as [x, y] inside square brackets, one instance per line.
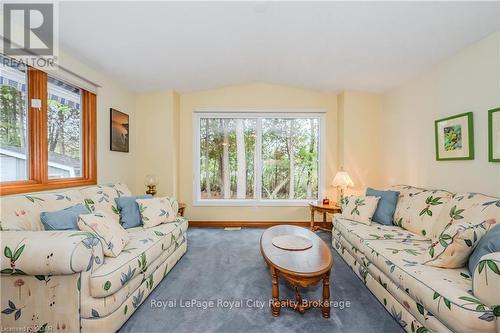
[331, 208]
[182, 208]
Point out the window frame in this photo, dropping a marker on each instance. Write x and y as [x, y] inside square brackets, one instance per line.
[37, 160]
[260, 114]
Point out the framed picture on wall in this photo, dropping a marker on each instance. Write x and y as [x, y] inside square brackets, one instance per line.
[119, 131]
[455, 137]
[494, 135]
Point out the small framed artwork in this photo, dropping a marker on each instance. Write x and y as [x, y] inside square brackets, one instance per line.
[494, 135]
[119, 131]
[455, 137]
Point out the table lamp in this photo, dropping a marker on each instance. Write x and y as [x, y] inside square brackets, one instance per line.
[342, 181]
[151, 181]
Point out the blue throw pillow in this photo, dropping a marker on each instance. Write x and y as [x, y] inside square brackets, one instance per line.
[130, 216]
[65, 219]
[488, 244]
[384, 214]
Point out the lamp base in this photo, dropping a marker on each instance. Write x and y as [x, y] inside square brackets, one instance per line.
[151, 190]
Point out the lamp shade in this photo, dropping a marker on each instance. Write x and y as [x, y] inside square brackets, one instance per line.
[343, 180]
[150, 180]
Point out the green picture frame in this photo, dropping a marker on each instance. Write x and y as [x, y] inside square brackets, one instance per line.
[454, 137]
[492, 144]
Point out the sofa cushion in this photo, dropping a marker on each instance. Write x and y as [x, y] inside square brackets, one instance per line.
[359, 208]
[418, 209]
[471, 208]
[356, 232]
[144, 247]
[384, 214]
[22, 212]
[130, 216]
[102, 198]
[64, 219]
[445, 293]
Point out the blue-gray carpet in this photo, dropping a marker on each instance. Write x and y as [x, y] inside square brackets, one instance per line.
[227, 266]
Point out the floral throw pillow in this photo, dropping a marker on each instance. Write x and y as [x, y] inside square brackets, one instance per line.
[466, 218]
[156, 211]
[111, 234]
[455, 244]
[359, 208]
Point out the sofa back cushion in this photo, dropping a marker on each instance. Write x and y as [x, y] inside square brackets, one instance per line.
[470, 208]
[22, 212]
[418, 209]
[102, 198]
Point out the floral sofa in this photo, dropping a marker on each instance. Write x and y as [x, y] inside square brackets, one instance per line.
[60, 280]
[389, 261]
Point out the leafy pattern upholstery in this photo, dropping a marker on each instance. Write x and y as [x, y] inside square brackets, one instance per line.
[22, 212]
[435, 297]
[145, 246]
[102, 198]
[486, 281]
[156, 211]
[359, 208]
[418, 209]
[48, 277]
[465, 219]
[111, 234]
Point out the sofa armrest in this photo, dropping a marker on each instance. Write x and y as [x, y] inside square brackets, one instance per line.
[49, 252]
[486, 280]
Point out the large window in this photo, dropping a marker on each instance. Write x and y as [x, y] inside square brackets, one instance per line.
[13, 123]
[64, 129]
[258, 158]
[47, 131]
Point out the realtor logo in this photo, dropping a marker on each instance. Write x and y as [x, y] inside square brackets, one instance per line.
[30, 33]
[28, 29]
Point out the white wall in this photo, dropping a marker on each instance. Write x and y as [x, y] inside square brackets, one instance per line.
[111, 166]
[360, 132]
[158, 139]
[468, 81]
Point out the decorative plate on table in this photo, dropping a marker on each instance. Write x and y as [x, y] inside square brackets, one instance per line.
[292, 242]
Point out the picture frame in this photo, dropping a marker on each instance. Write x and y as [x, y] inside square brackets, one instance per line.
[119, 131]
[454, 137]
[494, 135]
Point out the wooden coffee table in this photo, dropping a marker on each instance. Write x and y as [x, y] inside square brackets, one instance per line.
[301, 268]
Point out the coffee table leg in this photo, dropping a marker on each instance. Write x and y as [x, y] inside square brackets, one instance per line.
[275, 308]
[325, 309]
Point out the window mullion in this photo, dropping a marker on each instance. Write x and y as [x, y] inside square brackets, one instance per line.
[37, 134]
[258, 159]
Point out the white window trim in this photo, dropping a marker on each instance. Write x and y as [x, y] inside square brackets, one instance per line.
[248, 113]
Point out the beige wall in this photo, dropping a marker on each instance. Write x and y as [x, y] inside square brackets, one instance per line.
[256, 96]
[158, 139]
[360, 138]
[468, 81]
[111, 166]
